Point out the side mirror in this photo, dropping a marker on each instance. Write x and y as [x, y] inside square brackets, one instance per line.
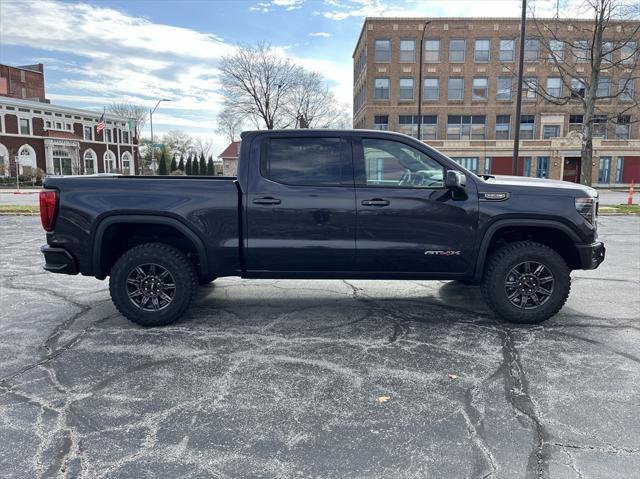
[455, 179]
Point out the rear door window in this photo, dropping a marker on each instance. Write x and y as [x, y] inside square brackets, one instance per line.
[307, 161]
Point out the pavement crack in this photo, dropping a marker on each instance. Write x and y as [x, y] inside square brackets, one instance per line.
[517, 394]
[475, 425]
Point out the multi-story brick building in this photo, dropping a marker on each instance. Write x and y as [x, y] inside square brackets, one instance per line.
[25, 82]
[60, 140]
[469, 86]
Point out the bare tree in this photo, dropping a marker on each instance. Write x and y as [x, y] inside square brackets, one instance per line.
[310, 103]
[178, 141]
[230, 124]
[136, 113]
[607, 48]
[203, 145]
[255, 81]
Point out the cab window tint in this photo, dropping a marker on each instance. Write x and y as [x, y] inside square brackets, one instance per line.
[393, 164]
[307, 161]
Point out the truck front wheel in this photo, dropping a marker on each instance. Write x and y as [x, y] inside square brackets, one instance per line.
[526, 282]
[152, 284]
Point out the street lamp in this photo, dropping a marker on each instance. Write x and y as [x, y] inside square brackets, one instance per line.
[153, 144]
[420, 84]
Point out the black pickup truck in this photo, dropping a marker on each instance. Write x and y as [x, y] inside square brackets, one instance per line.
[312, 204]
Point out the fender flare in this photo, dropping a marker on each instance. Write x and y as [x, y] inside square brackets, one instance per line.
[494, 227]
[145, 219]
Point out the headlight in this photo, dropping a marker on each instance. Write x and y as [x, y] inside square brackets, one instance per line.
[587, 208]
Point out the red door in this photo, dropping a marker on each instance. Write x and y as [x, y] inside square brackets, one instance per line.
[571, 169]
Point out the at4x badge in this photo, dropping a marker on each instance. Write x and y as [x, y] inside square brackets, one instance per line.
[440, 252]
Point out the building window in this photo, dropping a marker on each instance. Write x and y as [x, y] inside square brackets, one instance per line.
[431, 90]
[619, 169]
[550, 131]
[470, 163]
[429, 128]
[382, 51]
[503, 91]
[27, 160]
[623, 127]
[481, 51]
[487, 165]
[581, 51]
[554, 87]
[61, 163]
[626, 89]
[456, 89]
[604, 170]
[381, 122]
[125, 137]
[575, 122]
[503, 127]
[604, 87]
[47, 124]
[578, 87]
[408, 124]
[466, 127]
[480, 89]
[25, 126]
[381, 87]
[406, 89]
[531, 50]
[127, 164]
[600, 126]
[542, 169]
[88, 133]
[628, 53]
[90, 161]
[556, 50]
[607, 52]
[526, 166]
[68, 126]
[109, 161]
[527, 127]
[507, 50]
[432, 51]
[457, 48]
[407, 51]
[529, 88]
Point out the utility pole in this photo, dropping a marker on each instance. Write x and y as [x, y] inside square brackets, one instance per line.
[516, 136]
[153, 144]
[421, 60]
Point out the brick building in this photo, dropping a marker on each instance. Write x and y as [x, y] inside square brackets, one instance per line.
[60, 140]
[469, 85]
[24, 82]
[229, 159]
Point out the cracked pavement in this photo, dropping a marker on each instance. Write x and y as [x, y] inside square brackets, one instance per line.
[280, 378]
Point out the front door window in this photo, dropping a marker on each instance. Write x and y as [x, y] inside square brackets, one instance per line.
[61, 163]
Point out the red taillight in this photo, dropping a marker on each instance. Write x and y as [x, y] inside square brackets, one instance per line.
[48, 204]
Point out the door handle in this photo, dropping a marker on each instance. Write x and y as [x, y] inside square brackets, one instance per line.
[376, 202]
[268, 200]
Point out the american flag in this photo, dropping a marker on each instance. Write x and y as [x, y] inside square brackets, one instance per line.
[100, 125]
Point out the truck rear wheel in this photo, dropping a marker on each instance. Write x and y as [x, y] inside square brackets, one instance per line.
[526, 282]
[152, 284]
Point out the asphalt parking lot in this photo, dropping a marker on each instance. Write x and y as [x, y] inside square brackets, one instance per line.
[288, 378]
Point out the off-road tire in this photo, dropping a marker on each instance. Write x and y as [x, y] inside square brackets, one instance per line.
[167, 257]
[501, 263]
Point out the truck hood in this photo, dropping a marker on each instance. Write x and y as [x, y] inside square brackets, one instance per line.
[542, 183]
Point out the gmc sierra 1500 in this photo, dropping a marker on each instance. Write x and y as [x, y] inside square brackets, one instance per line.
[323, 204]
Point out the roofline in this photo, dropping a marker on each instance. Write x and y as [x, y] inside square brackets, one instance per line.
[466, 19]
[23, 68]
[4, 100]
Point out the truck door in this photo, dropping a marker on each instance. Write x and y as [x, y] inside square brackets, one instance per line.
[407, 221]
[301, 205]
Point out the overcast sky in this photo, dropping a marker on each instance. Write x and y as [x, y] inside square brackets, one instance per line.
[96, 52]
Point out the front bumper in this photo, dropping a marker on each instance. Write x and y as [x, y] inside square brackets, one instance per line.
[591, 255]
[59, 260]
